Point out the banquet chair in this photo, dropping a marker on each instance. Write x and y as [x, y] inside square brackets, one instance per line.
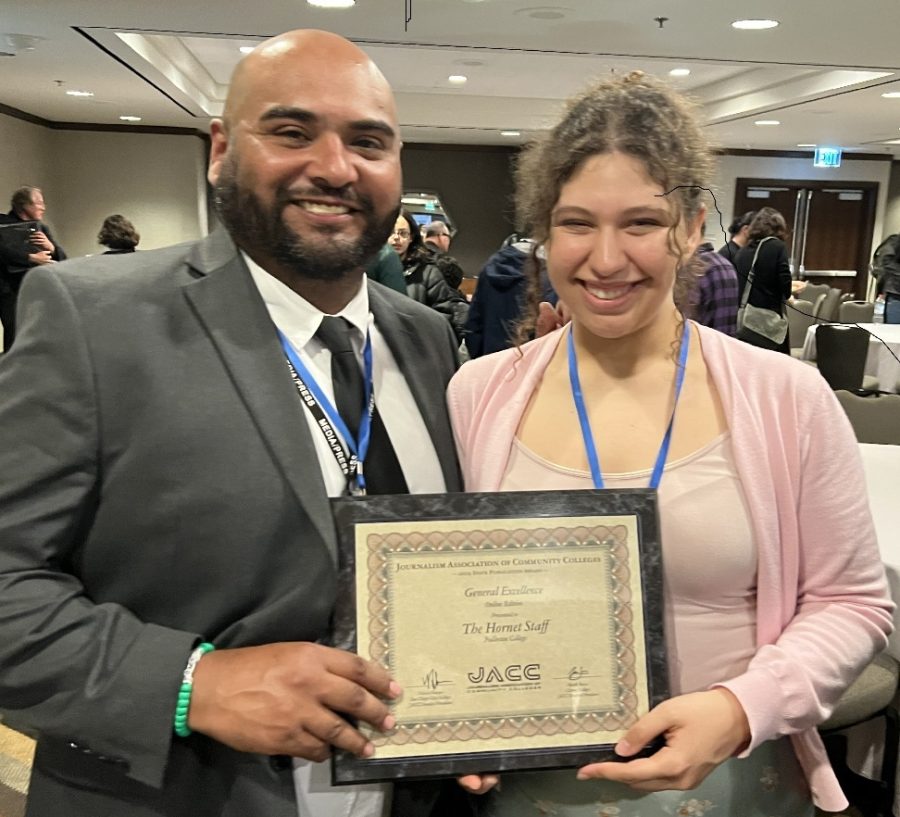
[856, 312]
[812, 291]
[875, 418]
[873, 695]
[828, 307]
[800, 318]
[817, 302]
[841, 356]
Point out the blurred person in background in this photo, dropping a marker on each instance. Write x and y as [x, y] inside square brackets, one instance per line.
[772, 273]
[437, 240]
[118, 235]
[501, 294]
[715, 301]
[387, 270]
[27, 204]
[425, 282]
[739, 230]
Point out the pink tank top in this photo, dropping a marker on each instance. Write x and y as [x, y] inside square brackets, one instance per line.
[709, 555]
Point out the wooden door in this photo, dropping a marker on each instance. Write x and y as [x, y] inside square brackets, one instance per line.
[830, 224]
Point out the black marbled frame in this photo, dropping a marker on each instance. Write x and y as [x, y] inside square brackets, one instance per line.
[638, 503]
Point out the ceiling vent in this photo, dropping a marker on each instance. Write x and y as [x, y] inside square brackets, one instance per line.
[13, 44]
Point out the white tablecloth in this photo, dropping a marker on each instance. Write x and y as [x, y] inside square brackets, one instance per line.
[880, 361]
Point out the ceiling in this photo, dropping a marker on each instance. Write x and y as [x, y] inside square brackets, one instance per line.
[820, 73]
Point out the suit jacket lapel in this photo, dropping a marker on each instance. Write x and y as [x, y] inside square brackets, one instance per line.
[401, 332]
[232, 312]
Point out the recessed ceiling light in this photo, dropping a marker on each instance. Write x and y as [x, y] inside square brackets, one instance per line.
[457, 79]
[679, 72]
[332, 4]
[510, 133]
[767, 122]
[543, 12]
[754, 25]
[892, 95]
[245, 49]
[12, 44]
[892, 142]
[130, 118]
[806, 145]
[80, 93]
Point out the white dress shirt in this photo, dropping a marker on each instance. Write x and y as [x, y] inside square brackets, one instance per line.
[298, 321]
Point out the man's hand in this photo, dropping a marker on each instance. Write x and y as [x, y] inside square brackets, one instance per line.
[41, 242]
[702, 730]
[478, 783]
[37, 259]
[284, 699]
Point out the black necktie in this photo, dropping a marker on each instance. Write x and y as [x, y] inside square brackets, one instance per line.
[382, 470]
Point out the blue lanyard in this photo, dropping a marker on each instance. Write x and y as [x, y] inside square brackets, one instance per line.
[359, 448]
[587, 434]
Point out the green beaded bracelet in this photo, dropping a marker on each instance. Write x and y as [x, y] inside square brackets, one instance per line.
[184, 693]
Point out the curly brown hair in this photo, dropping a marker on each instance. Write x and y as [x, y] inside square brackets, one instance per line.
[118, 233]
[638, 116]
[767, 222]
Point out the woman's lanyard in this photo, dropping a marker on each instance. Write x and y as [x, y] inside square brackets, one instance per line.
[586, 433]
[328, 419]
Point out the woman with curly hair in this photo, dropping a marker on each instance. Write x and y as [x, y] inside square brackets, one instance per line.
[771, 273]
[118, 234]
[774, 593]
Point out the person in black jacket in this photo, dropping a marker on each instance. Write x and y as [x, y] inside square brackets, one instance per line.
[27, 205]
[772, 276]
[739, 232]
[437, 240]
[886, 271]
[424, 280]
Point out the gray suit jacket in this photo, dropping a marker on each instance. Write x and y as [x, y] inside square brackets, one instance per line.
[158, 484]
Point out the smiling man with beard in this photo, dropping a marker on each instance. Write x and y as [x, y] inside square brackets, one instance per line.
[163, 485]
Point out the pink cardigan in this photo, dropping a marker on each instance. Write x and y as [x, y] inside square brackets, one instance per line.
[823, 609]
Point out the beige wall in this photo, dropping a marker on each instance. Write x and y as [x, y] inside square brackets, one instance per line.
[24, 158]
[156, 180]
[476, 188]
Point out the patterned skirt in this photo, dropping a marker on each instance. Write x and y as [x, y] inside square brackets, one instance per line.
[769, 783]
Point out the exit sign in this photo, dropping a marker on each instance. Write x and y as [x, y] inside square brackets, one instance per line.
[827, 157]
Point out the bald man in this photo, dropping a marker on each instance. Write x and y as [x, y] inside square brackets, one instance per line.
[163, 485]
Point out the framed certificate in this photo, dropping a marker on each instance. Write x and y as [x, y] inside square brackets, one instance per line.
[525, 628]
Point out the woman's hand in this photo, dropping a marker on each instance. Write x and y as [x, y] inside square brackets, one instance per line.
[701, 729]
[478, 783]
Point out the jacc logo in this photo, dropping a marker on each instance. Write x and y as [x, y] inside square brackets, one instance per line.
[512, 672]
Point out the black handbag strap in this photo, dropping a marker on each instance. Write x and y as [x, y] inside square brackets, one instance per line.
[745, 295]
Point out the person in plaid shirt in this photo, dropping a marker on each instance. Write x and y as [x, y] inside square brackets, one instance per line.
[717, 297]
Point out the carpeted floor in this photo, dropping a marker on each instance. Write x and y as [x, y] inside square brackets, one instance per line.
[15, 761]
